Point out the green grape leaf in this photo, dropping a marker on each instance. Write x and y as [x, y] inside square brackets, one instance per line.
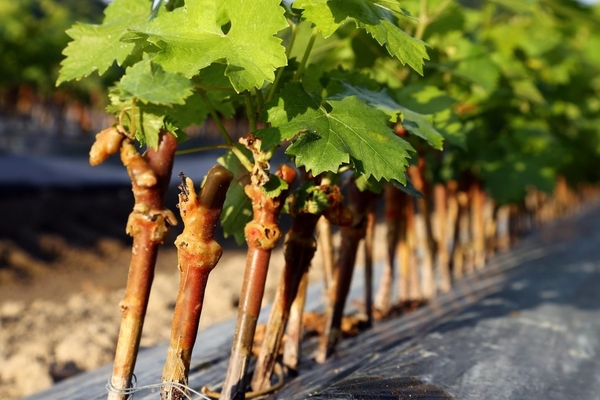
[149, 83]
[218, 92]
[307, 199]
[193, 111]
[237, 209]
[377, 186]
[143, 120]
[418, 124]
[150, 122]
[370, 184]
[237, 212]
[432, 101]
[352, 132]
[274, 186]
[408, 188]
[378, 21]
[97, 47]
[394, 5]
[476, 65]
[526, 89]
[242, 34]
[175, 130]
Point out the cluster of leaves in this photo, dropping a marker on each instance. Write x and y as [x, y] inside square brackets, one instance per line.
[510, 89]
[184, 62]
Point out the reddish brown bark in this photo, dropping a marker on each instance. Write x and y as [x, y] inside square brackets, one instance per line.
[410, 283]
[358, 203]
[325, 247]
[147, 225]
[300, 247]
[299, 250]
[503, 228]
[461, 263]
[425, 240]
[393, 213]
[369, 249]
[451, 220]
[477, 198]
[441, 236]
[198, 253]
[262, 235]
[295, 328]
[489, 224]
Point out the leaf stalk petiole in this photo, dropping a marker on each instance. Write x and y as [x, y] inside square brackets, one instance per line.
[216, 118]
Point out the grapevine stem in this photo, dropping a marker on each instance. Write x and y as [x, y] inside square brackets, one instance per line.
[425, 237]
[477, 229]
[197, 253]
[423, 20]
[213, 87]
[369, 242]
[132, 128]
[250, 110]
[300, 247]
[243, 159]
[262, 235]
[148, 225]
[307, 51]
[216, 118]
[325, 246]
[359, 203]
[295, 328]
[393, 214]
[299, 250]
[440, 205]
[439, 9]
[403, 248]
[204, 148]
[260, 100]
[280, 71]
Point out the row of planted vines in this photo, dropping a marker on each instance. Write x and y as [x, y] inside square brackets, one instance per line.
[464, 124]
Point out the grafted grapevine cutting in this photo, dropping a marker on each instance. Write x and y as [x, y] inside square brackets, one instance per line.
[344, 90]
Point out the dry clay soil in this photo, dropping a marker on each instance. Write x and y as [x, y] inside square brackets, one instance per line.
[64, 258]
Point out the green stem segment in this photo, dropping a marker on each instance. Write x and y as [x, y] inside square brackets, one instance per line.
[251, 112]
[423, 20]
[147, 224]
[280, 71]
[309, 47]
[216, 118]
[262, 235]
[198, 253]
[205, 148]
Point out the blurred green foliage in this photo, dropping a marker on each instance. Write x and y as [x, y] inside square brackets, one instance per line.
[32, 37]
